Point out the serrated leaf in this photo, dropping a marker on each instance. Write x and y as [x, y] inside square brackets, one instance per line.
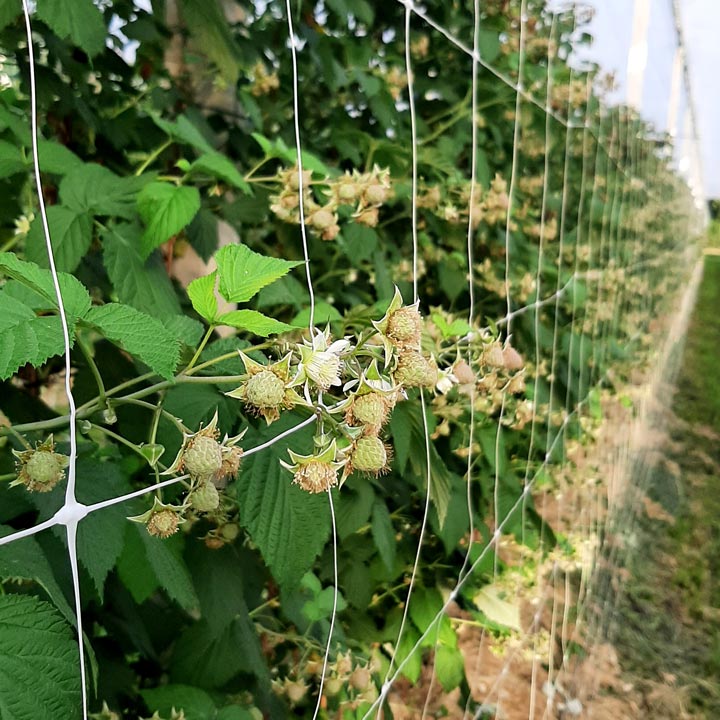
[279, 149]
[202, 234]
[165, 209]
[25, 558]
[94, 189]
[187, 330]
[25, 337]
[39, 679]
[354, 506]
[76, 298]
[100, 536]
[201, 292]
[165, 559]
[243, 273]
[412, 668]
[79, 20]
[139, 334]
[143, 284]
[11, 118]
[196, 703]
[11, 159]
[183, 130]
[289, 526]
[219, 166]
[206, 22]
[383, 534]
[211, 659]
[56, 158]
[70, 234]
[449, 666]
[408, 433]
[254, 322]
[133, 567]
[491, 601]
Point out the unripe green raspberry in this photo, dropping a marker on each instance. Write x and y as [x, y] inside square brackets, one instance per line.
[315, 476]
[333, 686]
[512, 358]
[360, 678]
[229, 532]
[369, 455]
[265, 390]
[44, 470]
[493, 356]
[205, 498]
[295, 690]
[414, 370]
[463, 372]
[404, 326]
[370, 409]
[375, 194]
[203, 456]
[322, 219]
[347, 191]
[163, 523]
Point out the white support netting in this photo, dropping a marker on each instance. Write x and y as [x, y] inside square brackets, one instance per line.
[585, 183]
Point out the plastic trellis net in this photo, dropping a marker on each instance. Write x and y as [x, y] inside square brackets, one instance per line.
[327, 337]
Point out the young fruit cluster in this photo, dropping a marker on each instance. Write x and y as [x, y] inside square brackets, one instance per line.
[41, 469]
[358, 196]
[209, 464]
[347, 681]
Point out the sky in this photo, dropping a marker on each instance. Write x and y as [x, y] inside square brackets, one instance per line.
[637, 41]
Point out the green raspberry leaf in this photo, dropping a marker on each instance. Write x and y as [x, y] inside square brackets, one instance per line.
[289, 526]
[139, 334]
[56, 158]
[220, 167]
[39, 679]
[11, 159]
[79, 20]
[182, 130]
[195, 703]
[25, 337]
[201, 292]
[209, 28]
[449, 666]
[254, 322]
[76, 298]
[144, 284]
[25, 558]
[243, 273]
[70, 234]
[165, 209]
[95, 189]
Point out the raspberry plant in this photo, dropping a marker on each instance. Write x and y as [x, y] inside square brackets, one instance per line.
[217, 601]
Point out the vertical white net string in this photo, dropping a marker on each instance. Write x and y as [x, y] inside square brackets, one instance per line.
[471, 275]
[581, 504]
[292, 40]
[387, 684]
[334, 607]
[560, 493]
[72, 511]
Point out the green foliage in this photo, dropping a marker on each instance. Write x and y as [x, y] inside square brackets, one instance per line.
[165, 209]
[243, 273]
[289, 527]
[139, 334]
[38, 662]
[147, 163]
